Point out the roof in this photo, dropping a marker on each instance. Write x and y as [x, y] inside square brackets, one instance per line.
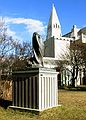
[83, 30]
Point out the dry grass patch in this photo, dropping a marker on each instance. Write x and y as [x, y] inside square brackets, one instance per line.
[73, 108]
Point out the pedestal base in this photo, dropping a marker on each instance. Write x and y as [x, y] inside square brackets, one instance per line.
[35, 89]
[29, 109]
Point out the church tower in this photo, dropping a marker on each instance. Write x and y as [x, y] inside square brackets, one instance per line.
[54, 27]
[55, 44]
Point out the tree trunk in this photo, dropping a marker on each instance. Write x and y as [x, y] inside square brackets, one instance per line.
[74, 75]
[73, 78]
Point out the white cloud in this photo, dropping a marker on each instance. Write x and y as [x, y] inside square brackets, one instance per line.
[31, 24]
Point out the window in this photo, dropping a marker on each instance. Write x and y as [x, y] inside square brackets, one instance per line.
[54, 25]
[58, 26]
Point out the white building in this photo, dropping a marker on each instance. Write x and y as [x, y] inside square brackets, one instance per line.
[56, 44]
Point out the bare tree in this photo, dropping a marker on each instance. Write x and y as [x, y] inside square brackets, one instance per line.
[11, 51]
[5, 44]
[22, 55]
[75, 57]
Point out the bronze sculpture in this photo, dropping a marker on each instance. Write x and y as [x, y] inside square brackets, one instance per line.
[37, 55]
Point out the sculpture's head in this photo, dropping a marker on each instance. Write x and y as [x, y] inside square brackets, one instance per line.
[37, 48]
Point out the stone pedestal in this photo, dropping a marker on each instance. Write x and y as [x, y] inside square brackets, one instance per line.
[35, 89]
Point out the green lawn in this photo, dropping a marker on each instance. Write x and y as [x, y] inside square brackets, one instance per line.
[73, 108]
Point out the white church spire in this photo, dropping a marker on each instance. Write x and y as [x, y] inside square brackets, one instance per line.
[54, 27]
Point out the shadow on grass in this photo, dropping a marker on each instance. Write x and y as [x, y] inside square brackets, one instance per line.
[5, 103]
[70, 88]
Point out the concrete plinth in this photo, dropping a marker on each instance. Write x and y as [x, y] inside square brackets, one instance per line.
[35, 89]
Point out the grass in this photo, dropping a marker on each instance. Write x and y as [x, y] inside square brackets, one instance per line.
[73, 108]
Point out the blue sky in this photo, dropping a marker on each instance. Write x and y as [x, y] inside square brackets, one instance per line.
[23, 17]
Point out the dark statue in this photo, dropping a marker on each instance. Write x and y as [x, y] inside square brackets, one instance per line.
[36, 55]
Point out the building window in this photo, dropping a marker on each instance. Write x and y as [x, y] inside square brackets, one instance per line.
[58, 26]
[54, 25]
